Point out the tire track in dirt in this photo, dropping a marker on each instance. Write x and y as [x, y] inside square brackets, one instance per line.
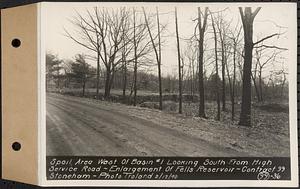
[138, 145]
[123, 134]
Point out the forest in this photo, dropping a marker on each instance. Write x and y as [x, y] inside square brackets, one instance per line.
[225, 71]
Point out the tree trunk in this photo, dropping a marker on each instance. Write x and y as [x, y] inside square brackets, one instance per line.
[233, 84]
[217, 71]
[135, 61]
[223, 70]
[58, 79]
[157, 53]
[98, 76]
[247, 19]
[260, 84]
[83, 88]
[124, 79]
[192, 83]
[111, 80]
[200, 73]
[107, 83]
[222, 39]
[282, 85]
[84, 79]
[159, 62]
[230, 89]
[98, 68]
[245, 117]
[135, 85]
[223, 85]
[256, 88]
[179, 65]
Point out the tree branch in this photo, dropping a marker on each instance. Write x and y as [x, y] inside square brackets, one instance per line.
[271, 47]
[265, 38]
[255, 12]
[242, 15]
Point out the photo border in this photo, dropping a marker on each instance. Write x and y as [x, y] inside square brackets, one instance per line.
[172, 183]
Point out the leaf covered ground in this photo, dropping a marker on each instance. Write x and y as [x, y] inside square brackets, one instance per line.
[268, 136]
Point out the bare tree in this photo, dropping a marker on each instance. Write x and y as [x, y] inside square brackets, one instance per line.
[235, 41]
[201, 28]
[284, 81]
[247, 17]
[124, 68]
[191, 55]
[221, 30]
[106, 32]
[87, 36]
[216, 67]
[254, 78]
[264, 54]
[262, 61]
[159, 62]
[111, 26]
[157, 52]
[135, 58]
[179, 64]
[142, 47]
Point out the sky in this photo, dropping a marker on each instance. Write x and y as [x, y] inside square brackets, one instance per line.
[57, 17]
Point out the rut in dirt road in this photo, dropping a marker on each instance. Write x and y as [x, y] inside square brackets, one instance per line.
[82, 127]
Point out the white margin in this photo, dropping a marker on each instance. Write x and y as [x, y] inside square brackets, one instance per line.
[39, 55]
[42, 102]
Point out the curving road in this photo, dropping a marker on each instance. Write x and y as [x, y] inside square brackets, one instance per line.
[84, 127]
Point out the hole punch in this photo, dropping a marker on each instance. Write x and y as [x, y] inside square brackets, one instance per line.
[16, 43]
[16, 146]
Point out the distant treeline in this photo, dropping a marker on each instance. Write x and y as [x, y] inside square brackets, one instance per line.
[79, 74]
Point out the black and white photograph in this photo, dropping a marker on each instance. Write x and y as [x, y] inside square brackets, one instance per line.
[150, 94]
[171, 80]
[129, 80]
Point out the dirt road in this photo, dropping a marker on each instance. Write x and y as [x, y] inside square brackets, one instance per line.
[79, 126]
